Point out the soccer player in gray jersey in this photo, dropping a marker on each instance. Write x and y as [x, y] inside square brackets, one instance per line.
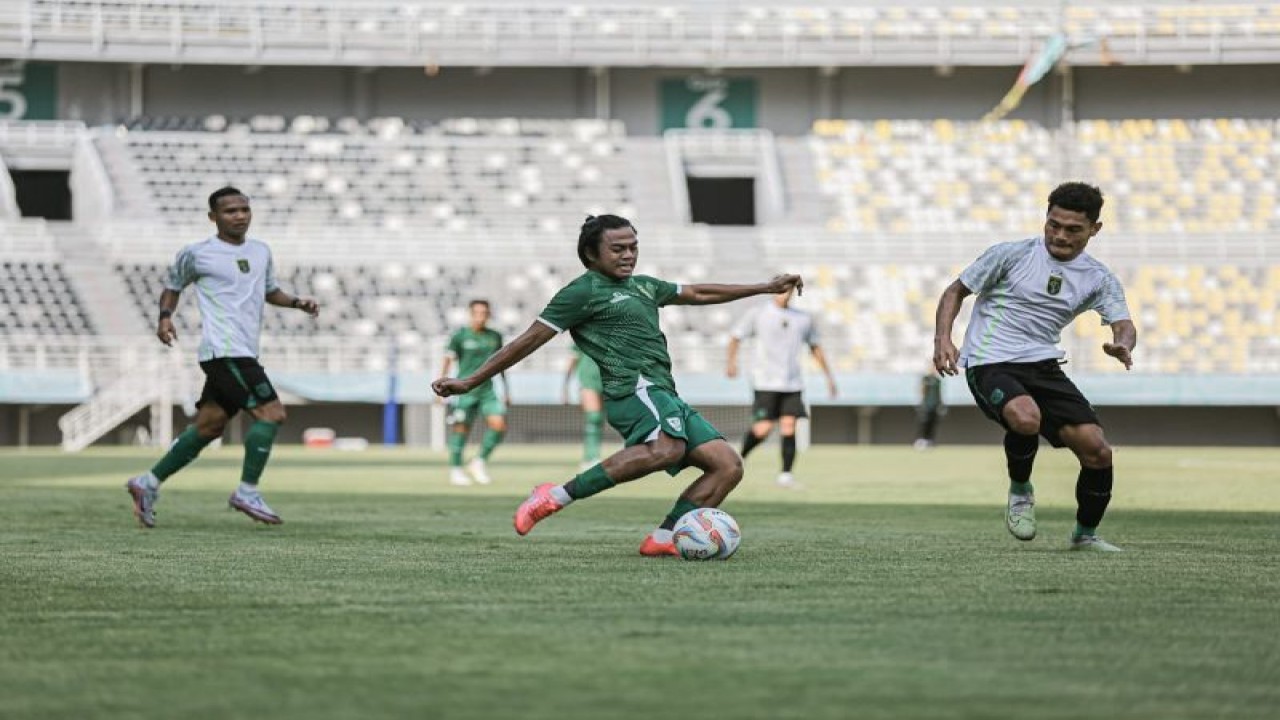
[780, 333]
[1028, 291]
[234, 276]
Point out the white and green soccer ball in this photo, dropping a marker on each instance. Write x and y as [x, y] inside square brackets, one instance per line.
[707, 534]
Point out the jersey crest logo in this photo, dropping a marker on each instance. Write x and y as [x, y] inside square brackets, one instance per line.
[675, 423]
[619, 297]
[1055, 284]
[243, 265]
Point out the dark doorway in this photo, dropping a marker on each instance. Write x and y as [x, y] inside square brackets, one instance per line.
[43, 193]
[722, 201]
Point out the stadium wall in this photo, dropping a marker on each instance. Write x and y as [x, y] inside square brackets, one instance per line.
[831, 424]
[789, 100]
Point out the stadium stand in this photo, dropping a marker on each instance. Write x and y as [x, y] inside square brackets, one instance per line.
[459, 175]
[395, 222]
[35, 298]
[990, 177]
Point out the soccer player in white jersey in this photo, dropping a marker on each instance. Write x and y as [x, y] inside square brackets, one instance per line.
[234, 276]
[1028, 291]
[780, 333]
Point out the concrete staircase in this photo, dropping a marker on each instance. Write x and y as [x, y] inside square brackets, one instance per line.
[132, 198]
[102, 291]
[650, 181]
[804, 203]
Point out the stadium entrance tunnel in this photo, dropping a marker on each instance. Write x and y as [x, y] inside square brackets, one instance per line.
[722, 200]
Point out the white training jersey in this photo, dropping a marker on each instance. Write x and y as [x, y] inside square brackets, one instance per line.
[1026, 297]
[232, 282]
[781, 334]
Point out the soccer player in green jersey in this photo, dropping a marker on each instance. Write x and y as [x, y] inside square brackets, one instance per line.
[591, 397]
[234, 277]
[612, 314]
[471, 346]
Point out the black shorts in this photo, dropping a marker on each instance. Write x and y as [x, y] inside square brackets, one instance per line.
[1061, 402]
[236, 384]
[771, 405]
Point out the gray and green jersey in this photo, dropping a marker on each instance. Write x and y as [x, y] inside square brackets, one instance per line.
[781, 334]
[232, 282]
[615, 323]
[1026, 298]
[472, 348]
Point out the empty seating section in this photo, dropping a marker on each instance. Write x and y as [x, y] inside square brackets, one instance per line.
[394, 227]
[873, 318]
[390, 176]
[1160, 176]
[1196, 176]
[37, 299]
[1191, 318]
[1200, 319]
[902, 176]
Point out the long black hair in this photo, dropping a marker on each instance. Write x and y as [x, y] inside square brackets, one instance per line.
[593, 232]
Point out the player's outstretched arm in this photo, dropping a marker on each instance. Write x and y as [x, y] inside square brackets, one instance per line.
[713, 294]
[513, 352]
[945, 354]
[1124, 338]
[164, 326]
[280, 298]
[820, 358]
[731, 362]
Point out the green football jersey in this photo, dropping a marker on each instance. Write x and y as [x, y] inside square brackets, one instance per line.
[615, 323]
[472, 349]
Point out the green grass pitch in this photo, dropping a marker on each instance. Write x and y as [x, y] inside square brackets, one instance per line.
[888, 588]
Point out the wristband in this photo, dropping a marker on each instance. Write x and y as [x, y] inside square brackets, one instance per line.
[166, 313]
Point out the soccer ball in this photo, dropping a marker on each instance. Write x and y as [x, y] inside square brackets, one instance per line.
[706, 534]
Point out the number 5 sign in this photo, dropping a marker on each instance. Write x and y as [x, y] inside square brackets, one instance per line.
[28, 91]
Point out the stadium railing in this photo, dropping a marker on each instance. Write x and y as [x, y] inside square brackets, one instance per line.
[611, 33]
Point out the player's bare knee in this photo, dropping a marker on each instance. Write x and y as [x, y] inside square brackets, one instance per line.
[273, 413]
[1023, 418]
[211, 428]
[1096, 455]
[665, 451]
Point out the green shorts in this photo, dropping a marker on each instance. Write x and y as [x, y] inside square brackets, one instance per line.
[589, 374]
[484, 401]
[638, 419]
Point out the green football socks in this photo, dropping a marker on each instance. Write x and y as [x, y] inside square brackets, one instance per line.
[681, 507]
[591, 434]
[589, 482]
[257, 450]
[181, 452]
[457, 440]
[492, 439]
